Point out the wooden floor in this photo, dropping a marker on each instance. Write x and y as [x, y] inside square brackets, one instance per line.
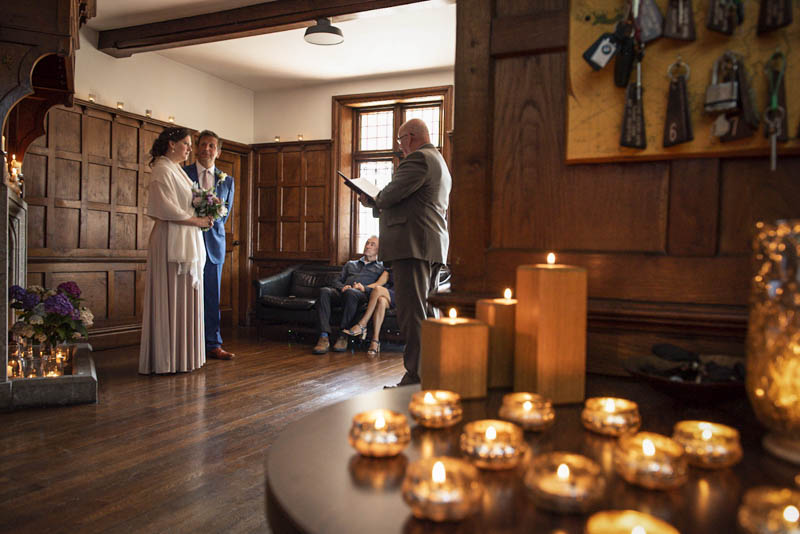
[180, 453]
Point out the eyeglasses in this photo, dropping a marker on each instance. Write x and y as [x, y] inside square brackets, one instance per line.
[400, 138]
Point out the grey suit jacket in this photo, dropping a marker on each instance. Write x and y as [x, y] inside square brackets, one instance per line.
[413, 207]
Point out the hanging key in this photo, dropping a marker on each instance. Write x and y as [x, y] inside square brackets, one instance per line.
[775, 69]
[774, 14]
[678, 124]
[679, 22]
[650, 21]
[626, 54]
[747, 96]
[602, 50]
[773, 119]
[633, 127]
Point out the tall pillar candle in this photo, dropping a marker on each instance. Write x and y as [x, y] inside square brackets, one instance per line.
[499, 314]
[550, 341]
[454, 355]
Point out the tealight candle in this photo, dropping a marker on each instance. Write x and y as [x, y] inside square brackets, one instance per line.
[564, 482]
[436, 408]
[442, 489]
[528, 410]
[627, 522]
[651, 460]
[379, 433]
[493, 444]
[770, 509]
[499, 314]
[709, 445]
[610, 416]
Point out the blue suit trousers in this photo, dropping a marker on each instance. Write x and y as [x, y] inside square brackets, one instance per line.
[212, 280]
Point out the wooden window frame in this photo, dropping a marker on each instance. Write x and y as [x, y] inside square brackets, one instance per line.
[345, 157]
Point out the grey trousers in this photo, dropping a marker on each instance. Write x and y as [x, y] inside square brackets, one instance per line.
[414, 280]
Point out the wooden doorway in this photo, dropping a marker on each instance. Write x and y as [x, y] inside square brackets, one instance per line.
[231, 163]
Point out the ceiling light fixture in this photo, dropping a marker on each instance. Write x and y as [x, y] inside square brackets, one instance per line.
[323, 33]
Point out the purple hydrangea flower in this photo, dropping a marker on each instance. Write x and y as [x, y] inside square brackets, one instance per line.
[58, 304]
[16, 293]
[70, 288]
[30, 300]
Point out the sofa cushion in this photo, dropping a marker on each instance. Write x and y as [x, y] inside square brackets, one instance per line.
[303, 285]
[287, 303]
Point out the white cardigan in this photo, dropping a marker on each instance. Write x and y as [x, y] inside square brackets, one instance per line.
[170, 199]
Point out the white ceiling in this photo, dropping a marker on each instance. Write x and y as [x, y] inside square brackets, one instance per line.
[409, 38]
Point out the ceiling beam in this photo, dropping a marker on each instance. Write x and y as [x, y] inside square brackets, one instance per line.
[279, 15]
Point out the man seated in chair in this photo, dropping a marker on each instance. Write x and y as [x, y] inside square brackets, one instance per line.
[351, 291]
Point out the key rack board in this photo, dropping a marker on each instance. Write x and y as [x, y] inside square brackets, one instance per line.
[595, 104]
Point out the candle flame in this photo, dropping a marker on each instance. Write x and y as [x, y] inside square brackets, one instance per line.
[791, 514]
[380, 422]
[452, 313]
[491, 433]
[428, 399]
[551, 258]
[527, 405]
[706, 428]
[438, 473]
[563, 472]
[638, 529]
[507, 293]
[609, 405]
[648, 448]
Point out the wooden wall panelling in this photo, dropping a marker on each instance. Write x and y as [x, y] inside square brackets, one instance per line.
[751, 193]
[469, 203]
[693, 207]
[342, 158]
[291, 203]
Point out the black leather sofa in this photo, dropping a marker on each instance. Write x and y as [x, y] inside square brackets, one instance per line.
[289, 298]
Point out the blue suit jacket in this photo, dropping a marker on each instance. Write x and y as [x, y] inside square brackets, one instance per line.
[215, 238]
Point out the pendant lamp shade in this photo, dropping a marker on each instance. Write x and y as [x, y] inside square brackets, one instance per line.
[323, 33]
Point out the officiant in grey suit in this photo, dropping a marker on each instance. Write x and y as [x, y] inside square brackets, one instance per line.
[413, 232]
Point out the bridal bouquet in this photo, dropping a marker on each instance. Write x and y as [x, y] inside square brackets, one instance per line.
[206, 203]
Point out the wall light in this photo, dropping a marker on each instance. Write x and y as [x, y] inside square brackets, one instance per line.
[148, 113]
[120, 105]
[277, 138]
[171, 119]
[92, 97]
[299, 137]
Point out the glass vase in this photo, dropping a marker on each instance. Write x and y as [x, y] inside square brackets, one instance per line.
[773, 336]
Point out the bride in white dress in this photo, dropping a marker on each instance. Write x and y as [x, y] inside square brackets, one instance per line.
[172, 316]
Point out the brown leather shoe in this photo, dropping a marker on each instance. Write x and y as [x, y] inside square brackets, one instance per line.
[322, 346]
[340, 345]
[220, 354]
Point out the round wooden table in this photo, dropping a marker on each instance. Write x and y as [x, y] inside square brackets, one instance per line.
[316, 483]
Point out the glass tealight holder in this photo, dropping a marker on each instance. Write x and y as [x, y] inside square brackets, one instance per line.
[436, 408]
[708, 445]
[379, 433]
[493, 444]
[651, 460]
[528, 410]
[770, 510]
[611, 416]
[565, 483]
[442, 489]
[627, 522]
[773, 336]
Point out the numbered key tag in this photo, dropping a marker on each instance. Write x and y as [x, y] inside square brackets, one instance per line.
[739, 129]
[626, 54]
[602, 50]
[679, 22]
[633, 131]
[747, 99]
[721, 16]
[650, 21]
[678, 124]
[721, 126]
[774, 14]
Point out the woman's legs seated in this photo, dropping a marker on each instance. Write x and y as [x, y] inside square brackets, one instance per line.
[359, 329]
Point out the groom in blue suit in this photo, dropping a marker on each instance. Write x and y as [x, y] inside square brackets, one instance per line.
[204, 173]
